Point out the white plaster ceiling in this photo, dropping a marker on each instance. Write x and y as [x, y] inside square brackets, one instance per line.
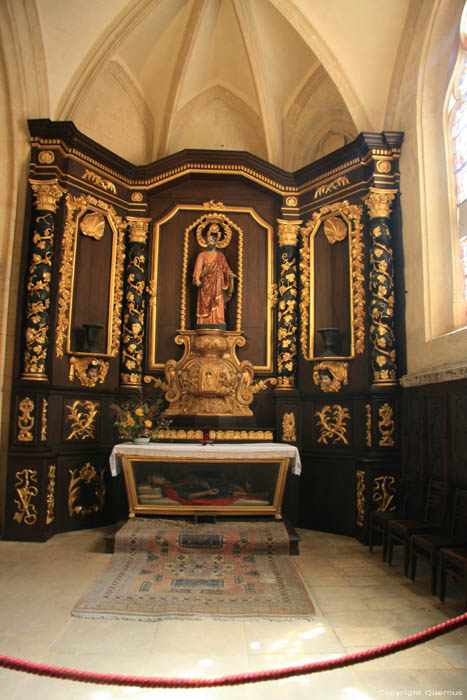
[287, 80]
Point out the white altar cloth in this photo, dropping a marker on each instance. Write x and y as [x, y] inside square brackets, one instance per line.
[266, 450]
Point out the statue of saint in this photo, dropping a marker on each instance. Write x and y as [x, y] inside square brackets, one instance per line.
[214, 279]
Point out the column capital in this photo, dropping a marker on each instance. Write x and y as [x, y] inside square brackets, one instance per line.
[287, 231]
[379, 202]
[47, 194]
[138, 228]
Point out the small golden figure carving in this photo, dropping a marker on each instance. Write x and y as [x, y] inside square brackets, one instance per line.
[89, 370]
[330, 376]
[386, 426]
[288, 427]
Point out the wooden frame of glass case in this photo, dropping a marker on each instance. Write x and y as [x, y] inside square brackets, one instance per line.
[158, 485]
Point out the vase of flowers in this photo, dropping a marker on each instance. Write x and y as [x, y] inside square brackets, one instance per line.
[139, 421]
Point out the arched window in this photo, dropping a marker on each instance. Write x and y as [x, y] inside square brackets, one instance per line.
[456, 135]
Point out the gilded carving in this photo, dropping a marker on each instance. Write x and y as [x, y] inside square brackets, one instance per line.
[86, 491]
[89, 370]
[383, 166]
[273, 295]
[332, 423]
[230, 435]
[335, 229]
[47, 194]
[96, 179]
[25, 420]
[76, 208]
[45, 405]
[350, 215]
[287, 321]
[360, 497]
[386, 425]
[336, 184]
[50, 498]
[213, 205]
[330, 375]
[46, 157]
[82, 417]
[368, 425]
[209, 380]
[27, 489]
[291, 201]
[263, 384]
[93, 225]
[137, 197]
[287, 232]
[134, 304]
[289, 433]
[384, 493]
[379, 202]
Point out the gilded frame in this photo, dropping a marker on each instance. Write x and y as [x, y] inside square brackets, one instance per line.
[202, 210]
[135, 508]
[351, 215]
[76, 207]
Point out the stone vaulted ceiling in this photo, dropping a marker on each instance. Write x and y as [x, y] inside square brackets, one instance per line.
[287, 80]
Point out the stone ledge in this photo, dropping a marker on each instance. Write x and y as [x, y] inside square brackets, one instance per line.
[434, 376]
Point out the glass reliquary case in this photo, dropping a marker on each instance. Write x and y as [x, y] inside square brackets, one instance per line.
[160, 485]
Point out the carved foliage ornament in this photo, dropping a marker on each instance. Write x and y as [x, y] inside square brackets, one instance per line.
[86, 491]
[289, 433]
[386, 425]
[25, 420]
[50, 517]
[287, 306]
[384, 493]
[332, 186]
[27, 489]
[331, 421]
[106, 185]
[341, 215]
[82, 416]
[360, 497]
[330, 375]
[76, 207]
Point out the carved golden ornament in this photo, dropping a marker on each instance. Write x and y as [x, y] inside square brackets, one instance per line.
[230, 435]
[137, 197]
[368, 425]
[209, 380]
[76, 207]
[138, 229]
[330, 375]
[96, 179]
[332, 186]
[263, 384]
[27, 489]
[47, 194]
[217, 225]
[287, 320]
[383, 166]
[386, 426]
[287, 232]
[351, 215]
[360, 497]
[86, 477]
[82, 418]
[46, 157]
[213, 205]
[384, 493]
[273, 294]
[288, 427]
[89, 370]
[45, 405]
[379, 202]
[93, 225]
[331, 420]
[285, 383]
[158, 383]
[25, 420]
[335, 229]
[50, 498]
[291, 201]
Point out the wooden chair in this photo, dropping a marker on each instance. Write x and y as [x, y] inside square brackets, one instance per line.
[427, 545]
[400, 531]
[453, 563]
[411, 505]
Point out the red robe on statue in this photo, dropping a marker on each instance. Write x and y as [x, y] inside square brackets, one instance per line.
[216, 285]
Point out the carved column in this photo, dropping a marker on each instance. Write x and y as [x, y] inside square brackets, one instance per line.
[383, 346]
[287, 316]
[134, 303]
[37, 303]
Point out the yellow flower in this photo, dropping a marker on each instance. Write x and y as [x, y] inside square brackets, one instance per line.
[131, 421]
[148, 423]
[139, 411]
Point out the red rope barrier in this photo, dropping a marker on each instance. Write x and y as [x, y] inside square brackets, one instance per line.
[255, 677]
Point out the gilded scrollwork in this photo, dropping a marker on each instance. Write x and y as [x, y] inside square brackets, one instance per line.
[360, 497]
[262, 384]
[368, 425]
[82, 416]
[332, 423]
[134, 304]
[86, 490]
[330, 375]
[230, 435]
[384, 493]
[45, 406]
[76, 207]
[50, 498]
[386, 425]
[289, 433]
[349, 217]
[287, 318]
[336, 184]
[26, 420]
[96, 179]
[89, 370]
[27, 489]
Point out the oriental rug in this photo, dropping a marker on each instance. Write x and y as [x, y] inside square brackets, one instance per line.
[165, 569]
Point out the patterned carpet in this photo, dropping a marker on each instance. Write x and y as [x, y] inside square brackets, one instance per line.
[165, 569]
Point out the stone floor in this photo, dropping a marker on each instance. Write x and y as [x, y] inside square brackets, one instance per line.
[360, 603]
